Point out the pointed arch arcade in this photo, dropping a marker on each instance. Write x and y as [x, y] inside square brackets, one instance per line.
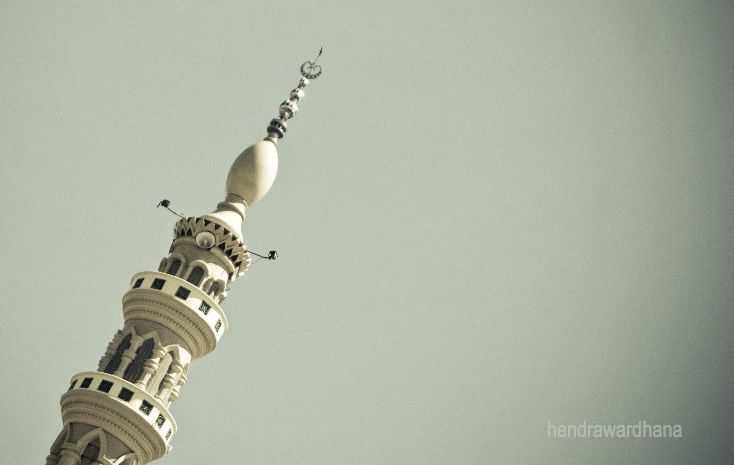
[114, 362]
[135, 370]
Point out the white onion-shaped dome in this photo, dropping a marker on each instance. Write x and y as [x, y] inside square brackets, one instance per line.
[253, 172]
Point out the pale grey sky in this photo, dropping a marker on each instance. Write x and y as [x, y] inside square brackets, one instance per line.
[489, 215]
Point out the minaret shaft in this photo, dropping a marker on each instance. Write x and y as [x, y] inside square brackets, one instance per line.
[119, 414]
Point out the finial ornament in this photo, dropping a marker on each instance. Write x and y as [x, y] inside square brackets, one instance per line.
[309, 69]
[288, 109]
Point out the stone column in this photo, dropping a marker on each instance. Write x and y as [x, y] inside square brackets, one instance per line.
[128, 356]
[174, 392]
[151, 365]
[169, 380]
[70, 457]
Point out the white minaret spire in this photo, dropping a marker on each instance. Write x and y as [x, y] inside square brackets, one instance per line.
[120, 413]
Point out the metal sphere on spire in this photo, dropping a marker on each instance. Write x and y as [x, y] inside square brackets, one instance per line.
[253, 172]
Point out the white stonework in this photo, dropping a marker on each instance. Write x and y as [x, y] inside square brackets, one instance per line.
[119, 414]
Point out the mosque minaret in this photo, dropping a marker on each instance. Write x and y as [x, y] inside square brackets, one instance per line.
[120, 413]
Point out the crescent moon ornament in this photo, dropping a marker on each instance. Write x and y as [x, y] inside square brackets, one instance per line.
[309, 69]
[288, 109]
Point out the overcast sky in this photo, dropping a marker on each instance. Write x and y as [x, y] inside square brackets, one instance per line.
[490, 216]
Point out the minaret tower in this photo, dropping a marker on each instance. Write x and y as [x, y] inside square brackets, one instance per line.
[120, 413]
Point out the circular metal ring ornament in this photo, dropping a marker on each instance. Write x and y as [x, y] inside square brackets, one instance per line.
[310, 70]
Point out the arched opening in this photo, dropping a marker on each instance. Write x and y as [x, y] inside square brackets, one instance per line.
[196, 275]
[114, 362]
[135, 369]
[175, 265]
[214, 289]
[90, 454]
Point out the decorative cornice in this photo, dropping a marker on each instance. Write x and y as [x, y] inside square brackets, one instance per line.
[193, 315]
[179, 323]
[225, 240]
[124, 420]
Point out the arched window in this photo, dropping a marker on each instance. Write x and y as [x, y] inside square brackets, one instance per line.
[214, 289]
[91, 453]
[175, 265]
[196, 275]
[114, 362]
[135, 369]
